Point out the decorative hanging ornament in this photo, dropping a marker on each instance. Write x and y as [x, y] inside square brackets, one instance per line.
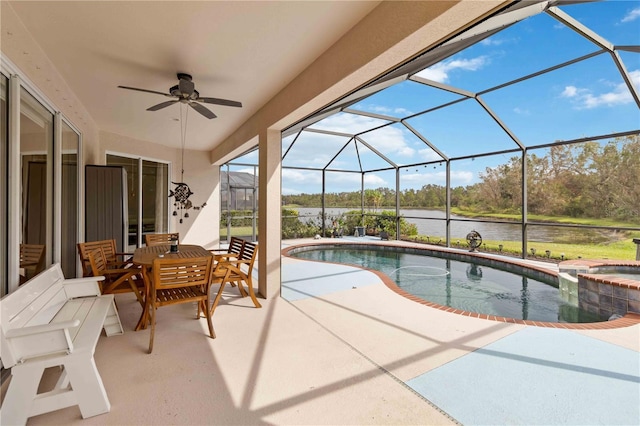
[182, 192]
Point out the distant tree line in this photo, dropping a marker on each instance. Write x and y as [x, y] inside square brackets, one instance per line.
[575, 180]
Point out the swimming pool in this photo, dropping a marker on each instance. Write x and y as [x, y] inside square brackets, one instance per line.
[477, 285]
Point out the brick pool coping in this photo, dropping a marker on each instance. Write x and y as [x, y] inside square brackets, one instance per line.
[626, 321]
[603, 277]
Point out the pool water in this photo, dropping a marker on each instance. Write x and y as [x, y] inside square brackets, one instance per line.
[467, 286]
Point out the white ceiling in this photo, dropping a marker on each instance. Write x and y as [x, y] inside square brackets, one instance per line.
[244, 51]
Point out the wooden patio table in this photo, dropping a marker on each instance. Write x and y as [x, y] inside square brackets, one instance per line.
[144, 257]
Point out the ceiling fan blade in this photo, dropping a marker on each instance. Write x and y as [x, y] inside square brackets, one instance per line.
[218, 101]
[186, 87]
[202, 110]
[144, 90]
[161, 105]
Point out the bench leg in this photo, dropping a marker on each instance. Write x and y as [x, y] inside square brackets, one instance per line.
[22, 390]
[87, 386]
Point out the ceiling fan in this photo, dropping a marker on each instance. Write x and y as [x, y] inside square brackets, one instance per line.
[185, 92]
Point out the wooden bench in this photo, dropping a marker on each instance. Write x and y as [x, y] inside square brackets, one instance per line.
[52, 321]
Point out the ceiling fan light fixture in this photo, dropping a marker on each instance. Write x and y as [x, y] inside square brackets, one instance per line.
[184, 92]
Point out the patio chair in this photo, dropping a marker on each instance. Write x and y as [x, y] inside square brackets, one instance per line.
[116, 280]
[158, 239]
[241, 270]
[182, 280]
[232, 252]
[114, 259]
[31, 260]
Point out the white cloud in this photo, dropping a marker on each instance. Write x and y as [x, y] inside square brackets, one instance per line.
[388, 140]
[521, 111]
[372, 180]
[416, 180]
[348, 123]
[290, 191]
[569, 92]
[313, 150]
[249, 170]
[491, 41]
[462, 178]
[619, 94]
[440, 71]
[631, 16]
[402, 112]
[427, 154]
[302, 176]
[340, 182]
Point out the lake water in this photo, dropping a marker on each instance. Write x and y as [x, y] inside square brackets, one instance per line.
[428, 223]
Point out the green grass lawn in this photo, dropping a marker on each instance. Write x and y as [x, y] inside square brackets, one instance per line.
[237, 231]
[622, 250]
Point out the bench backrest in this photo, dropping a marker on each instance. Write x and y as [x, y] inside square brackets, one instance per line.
[34, 303]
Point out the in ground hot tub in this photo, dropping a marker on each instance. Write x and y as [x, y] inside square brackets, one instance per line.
[604, 287]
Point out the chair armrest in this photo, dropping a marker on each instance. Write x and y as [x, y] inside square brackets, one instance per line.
[120, 271]
[42, 328]
[225, 256]
[238, 262]
[82, 280]
[82, 287]
[39, 340]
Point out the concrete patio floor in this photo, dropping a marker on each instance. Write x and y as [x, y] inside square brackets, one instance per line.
[358, 353]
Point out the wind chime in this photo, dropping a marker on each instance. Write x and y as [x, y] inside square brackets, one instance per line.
[182, 192]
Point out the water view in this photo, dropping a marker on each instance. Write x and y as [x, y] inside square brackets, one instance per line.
[431, 223]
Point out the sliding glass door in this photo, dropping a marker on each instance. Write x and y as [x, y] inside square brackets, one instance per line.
[148, 191]
[36, 154]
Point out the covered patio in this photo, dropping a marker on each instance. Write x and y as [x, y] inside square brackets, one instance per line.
[357, 355]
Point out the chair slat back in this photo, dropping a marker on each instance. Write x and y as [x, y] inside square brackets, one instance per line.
[176, 273]
[235, 245]
[33, 253]
[108, 250]
[249, 253]
[98, 262]
[157, 239]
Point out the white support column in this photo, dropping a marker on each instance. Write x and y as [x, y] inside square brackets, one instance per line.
[57, 188]
[213, 203]
[270, 212]
[14, 189]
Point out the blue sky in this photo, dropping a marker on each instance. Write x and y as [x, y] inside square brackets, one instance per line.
[585, 99]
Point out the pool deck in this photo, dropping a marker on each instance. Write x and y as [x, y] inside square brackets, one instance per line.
[476, 370]
[341, 348]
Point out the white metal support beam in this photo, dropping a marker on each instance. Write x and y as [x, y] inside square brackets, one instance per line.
[14, 201]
